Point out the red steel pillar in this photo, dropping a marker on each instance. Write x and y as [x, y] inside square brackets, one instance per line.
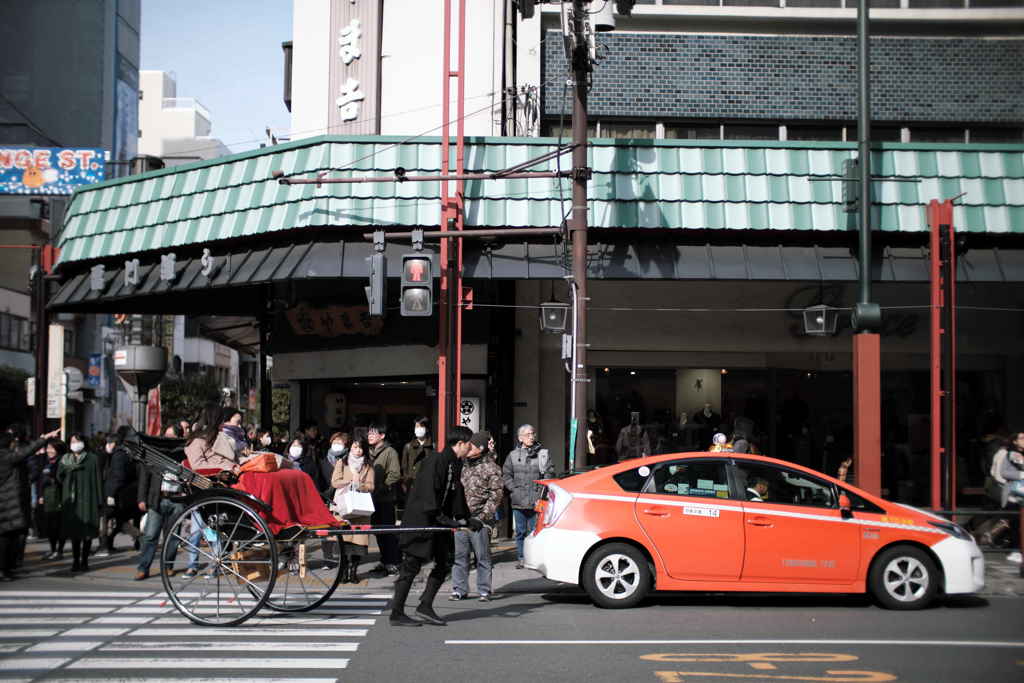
[943, 354]
[867, 411]
[449, 355]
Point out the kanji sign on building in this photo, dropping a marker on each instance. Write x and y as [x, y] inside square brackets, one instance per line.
[354, 71]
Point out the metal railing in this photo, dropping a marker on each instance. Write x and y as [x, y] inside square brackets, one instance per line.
[186, 103]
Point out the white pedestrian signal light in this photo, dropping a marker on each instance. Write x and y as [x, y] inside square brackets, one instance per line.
[376, 291]
[417, 285]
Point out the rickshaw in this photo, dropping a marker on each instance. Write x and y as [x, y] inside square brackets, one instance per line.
[241, 554]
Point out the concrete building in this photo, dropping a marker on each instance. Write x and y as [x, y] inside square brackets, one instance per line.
[78, 91]
[175, 129]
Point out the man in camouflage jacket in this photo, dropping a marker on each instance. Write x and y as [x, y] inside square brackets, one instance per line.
[481, 480]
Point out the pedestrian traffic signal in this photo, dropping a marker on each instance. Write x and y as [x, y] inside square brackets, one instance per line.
[376, 291]
[417, 285]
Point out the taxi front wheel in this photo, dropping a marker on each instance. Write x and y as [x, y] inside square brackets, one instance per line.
[616, 576]
[904, 577]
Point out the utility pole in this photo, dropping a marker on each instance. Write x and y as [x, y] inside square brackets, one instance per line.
[867, 317]
[578, 230]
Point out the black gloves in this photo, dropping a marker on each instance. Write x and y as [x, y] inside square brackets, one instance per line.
[444, 520]
[474, 524]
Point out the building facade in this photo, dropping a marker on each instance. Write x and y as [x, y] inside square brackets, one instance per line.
[715, 221]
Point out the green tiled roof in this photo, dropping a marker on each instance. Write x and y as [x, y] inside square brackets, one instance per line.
[636, 184]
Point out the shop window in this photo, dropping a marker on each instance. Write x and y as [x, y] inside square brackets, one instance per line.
[701, 478]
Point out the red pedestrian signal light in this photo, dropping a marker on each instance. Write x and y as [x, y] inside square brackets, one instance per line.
[417, 285]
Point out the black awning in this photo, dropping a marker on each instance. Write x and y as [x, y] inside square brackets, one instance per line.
[235, 282]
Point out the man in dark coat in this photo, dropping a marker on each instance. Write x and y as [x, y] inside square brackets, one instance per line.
[436, 499]
[14, 494]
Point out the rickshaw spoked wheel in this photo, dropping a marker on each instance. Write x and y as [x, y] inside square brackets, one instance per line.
[218, 560]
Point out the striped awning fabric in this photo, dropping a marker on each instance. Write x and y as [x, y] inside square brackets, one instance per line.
[665, 184]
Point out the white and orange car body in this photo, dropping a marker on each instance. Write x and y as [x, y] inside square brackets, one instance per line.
[730, 544]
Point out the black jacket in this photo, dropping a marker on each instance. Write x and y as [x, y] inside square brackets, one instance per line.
[121, 481]
[437, 490]
[14, 486]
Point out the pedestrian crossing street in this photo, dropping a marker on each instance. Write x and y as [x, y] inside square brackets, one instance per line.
[140, 636]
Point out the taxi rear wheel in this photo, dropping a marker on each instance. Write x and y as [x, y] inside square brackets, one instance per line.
[616, 576]
[904, 577]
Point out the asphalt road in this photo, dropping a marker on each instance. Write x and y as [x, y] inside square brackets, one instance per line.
[105, 627]
[542, 631]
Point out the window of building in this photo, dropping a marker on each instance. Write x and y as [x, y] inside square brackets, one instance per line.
[879, 133]
[69, 341]
[814, 3]
[811, 132]
[751, 131]
[644, 130]
[937, 134]
[15, 333]
[692, 131]
[995, 134]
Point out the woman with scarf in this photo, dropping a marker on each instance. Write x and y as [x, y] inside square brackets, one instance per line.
[353, 472]
[336, 452]
[48, 502]
[80, 485]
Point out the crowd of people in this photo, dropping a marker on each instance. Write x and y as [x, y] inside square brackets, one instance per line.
[90, 489]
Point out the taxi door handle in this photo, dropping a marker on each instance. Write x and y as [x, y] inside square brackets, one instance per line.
[760, 521]
[656, 512]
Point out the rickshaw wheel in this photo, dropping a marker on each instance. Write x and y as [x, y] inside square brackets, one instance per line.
[309, 571]
[218, 561]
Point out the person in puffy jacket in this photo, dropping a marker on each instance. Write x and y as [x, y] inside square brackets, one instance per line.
[522, 468]
[15, 496]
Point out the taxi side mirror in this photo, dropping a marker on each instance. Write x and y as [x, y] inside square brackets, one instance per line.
[844, 506]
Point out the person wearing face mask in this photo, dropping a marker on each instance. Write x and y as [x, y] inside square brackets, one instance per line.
[79, 475]
[353, 471]
[414, 452]
[119, 491]
[48, 498]
[336, 452]
[302, 457]
[15, 493]
[264, 441]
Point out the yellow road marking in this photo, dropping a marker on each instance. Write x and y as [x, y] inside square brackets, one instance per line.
[834, 676]
[749, 657]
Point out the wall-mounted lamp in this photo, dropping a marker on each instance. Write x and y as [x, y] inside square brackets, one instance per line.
[820, 320]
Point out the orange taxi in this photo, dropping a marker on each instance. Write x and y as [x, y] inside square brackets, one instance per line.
[737, 522]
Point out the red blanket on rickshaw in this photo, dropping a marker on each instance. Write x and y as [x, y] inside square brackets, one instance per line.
[292, 497]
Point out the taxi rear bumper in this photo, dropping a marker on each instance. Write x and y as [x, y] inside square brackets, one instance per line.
[558, 553]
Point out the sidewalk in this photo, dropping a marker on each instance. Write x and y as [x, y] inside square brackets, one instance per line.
[1002, 578]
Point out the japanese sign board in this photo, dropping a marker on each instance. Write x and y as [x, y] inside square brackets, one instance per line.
[332, 321]
[49, 170]
[354, 71]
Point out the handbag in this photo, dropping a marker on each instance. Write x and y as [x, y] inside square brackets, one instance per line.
[349, 503]
[261, 462]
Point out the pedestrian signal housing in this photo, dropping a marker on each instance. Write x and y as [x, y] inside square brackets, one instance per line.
[376, 291]
[417, 285]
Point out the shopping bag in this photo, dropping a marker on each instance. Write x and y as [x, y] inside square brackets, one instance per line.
[349, 503]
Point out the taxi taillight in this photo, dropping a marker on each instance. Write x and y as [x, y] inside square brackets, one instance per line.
[557, 501]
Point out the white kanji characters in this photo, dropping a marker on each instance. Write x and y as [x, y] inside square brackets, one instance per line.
[349, 99]
[348, 40]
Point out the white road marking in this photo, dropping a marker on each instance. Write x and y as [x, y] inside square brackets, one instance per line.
[207, 663]
[122, 620]
[4, 611]
[35, 621]
[924, 643]
[12, 647]
[243, 631]
[57, 596]
[262, 646]
[280, 621]
[97, 602]
[94, 632]
[31, 633]
[136, 679]
[33, 663]
[64, 645]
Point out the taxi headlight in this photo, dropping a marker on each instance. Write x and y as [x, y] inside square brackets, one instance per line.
[954, 530]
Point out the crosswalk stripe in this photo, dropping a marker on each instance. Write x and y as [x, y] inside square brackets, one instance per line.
[245, 632]
[210, 663]
[262, 646]
[141, 637]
